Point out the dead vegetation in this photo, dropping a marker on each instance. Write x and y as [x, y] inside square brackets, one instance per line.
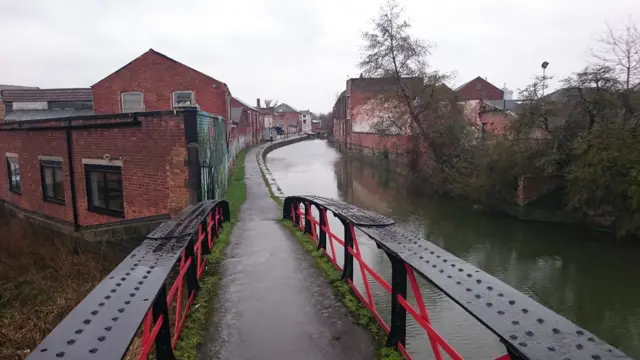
[43, 275]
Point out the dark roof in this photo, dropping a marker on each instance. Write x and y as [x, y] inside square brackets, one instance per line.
[7, 87]
[26, 115]
[26, 95]
[151, 51]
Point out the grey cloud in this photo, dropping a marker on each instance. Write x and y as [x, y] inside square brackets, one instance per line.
[295, 51]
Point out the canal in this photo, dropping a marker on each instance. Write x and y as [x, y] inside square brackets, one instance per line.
[592, 283]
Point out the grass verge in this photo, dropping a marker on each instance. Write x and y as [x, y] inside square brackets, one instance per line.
[195, 326]
[343, 291]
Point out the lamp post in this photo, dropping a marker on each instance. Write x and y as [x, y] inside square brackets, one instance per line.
[544, 72]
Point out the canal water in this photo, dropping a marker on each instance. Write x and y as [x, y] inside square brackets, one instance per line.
[592, 283]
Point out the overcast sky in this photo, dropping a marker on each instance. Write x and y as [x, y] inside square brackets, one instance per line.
[296, 51]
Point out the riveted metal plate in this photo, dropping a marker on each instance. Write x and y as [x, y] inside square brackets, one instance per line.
[105, 322]
[351, 213]
[524, 326]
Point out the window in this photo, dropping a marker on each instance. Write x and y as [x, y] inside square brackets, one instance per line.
[52, 182]
[104, 189]
[13, 170]
[183, 98]
[132, 102]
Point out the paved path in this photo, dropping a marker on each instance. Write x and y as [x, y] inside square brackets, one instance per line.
[272, 302]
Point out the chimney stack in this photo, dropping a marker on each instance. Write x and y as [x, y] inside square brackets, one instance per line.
[258, 102]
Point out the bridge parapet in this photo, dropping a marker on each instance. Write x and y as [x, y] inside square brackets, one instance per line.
[148, 293]
[527, 329]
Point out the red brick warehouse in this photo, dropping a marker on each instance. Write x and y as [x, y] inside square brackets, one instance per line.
[111, 161]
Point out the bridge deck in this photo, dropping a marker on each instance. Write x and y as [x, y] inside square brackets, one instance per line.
[273, 303]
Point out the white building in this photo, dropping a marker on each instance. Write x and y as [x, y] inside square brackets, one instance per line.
[305, 120]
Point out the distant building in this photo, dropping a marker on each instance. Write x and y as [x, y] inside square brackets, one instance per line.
[37, 104]
[486, 117]
[9, 87]
[288, 117]
[478, 89]
[316, 125]
[305, 118]
[248, 120]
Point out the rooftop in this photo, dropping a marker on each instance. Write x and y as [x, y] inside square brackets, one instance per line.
[29, 95]
[26, 115]
[8, 87]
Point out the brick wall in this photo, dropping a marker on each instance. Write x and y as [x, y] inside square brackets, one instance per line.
[532, 187]
[287, 119]
[153, 171]
[157, 77]
[494, 121]
[377, 143]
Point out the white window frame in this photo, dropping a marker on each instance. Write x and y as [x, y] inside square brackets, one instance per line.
[122, 94]
[173, 97]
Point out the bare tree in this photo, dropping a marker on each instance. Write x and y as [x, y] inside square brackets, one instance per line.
[619, 49]
[413, 98]
[271, 103]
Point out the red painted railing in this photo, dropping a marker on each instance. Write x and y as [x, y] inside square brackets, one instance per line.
[151, 291]
[306, 221]
[206, 235]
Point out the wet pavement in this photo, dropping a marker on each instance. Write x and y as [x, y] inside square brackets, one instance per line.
[272, 302]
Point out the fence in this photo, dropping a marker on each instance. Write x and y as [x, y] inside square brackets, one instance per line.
[133, 298]
[213, 155]
[527, 329]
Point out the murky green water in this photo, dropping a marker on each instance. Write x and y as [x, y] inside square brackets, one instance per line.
[593, 283]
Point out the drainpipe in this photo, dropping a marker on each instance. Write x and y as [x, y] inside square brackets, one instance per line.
[72, 179]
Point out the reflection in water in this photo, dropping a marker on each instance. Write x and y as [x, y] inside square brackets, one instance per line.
[591, 283]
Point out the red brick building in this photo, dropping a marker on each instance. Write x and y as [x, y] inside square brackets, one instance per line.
[128, 164]
[478, 89]
[155, 82]
[248, 119]
[316, 125]
[359, 108]
[287, 117]
[82, 172]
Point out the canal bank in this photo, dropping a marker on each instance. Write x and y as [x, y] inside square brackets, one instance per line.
[547, 206]
[589, 282]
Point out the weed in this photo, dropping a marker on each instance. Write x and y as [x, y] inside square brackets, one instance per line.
[43, 276]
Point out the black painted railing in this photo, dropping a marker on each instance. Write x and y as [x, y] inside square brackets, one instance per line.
[527, 329]
[148, 295]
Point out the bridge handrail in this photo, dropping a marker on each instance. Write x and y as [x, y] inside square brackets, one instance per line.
[528, 329]
[135, 294]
